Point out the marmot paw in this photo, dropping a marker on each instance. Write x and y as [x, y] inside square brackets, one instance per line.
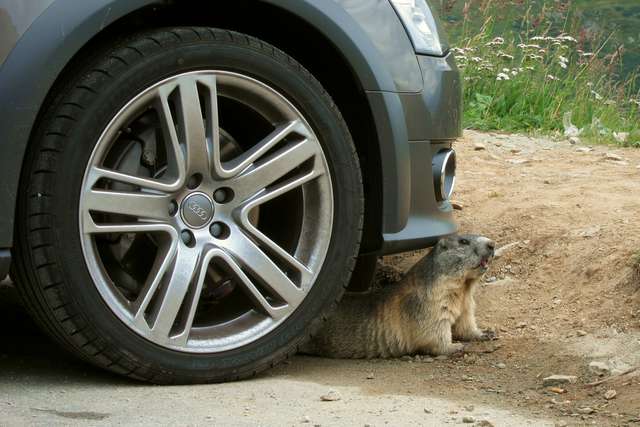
[488, 335]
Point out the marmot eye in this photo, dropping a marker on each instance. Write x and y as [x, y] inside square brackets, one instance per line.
[463, 241]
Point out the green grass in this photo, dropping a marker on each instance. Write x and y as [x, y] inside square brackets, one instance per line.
[535, 76]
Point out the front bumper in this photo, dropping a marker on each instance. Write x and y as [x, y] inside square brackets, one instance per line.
[433, 120]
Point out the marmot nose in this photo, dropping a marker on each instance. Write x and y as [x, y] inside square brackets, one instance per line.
[491, 246]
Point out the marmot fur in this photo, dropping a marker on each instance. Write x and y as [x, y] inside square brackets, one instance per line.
[422, 313]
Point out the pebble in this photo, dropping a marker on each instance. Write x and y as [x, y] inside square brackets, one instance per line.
[331, 396]
[557, 390]
[442, 357]
[484, 423]
[581, 333]
[478, 146]
[468, 420]
[305, 419]
[491, 279]
[613, 156]
[516, 151]
[562, 424]
[427, 359]
[574, 140]
[610, 394]
[521, 325]
[599, 368]
[584, 149]
[457, 205]
[469, 408]
[427, 411]
[558, 380]
[370, 376]
[586, 410]
[500, 365]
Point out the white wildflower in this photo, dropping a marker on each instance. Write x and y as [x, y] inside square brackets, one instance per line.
[596, 95]
[587, 54]
[503, 76]
[505, 55]
[566, 38]
[476, 59]
[538, 38]
[610, 102]
[635, 101]
[552, 78]
[563, 59]
[563, 65]
[589, 84]
[529, 68]
[498, 41]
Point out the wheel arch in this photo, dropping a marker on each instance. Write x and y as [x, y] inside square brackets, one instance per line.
[334, 49]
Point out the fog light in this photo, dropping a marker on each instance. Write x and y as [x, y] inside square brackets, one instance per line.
[444, 173]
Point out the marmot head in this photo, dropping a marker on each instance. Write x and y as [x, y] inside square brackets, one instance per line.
[465, 256]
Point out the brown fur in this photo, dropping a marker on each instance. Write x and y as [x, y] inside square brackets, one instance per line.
[422, 313]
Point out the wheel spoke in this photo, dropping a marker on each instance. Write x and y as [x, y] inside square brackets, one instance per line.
[139, 205]
[90, 227]
[171, 284]
[191, 125]
[238, 164]
[251, 257]
[251, 290]
[96, 173]
[267, 172]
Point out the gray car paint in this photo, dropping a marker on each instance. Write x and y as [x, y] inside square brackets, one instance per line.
[371, 38]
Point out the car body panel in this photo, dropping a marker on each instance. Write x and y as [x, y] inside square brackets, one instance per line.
[405, 95]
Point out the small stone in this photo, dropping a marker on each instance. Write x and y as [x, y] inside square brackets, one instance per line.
[478, 146]
[442, 357]
[484, 423]
[331, 396]
[516, 151]
[557, 390]
[559, 380]
[468, 420]
[547, 181]
[406, 359]
[519, 161]
[427, 359]
[599, 368]
[427, 411]
[469, 408]
[457, 205]
[370, 376]
[521, 325]
[581, 333]
[305, 419]
[610, 394]
[613, 156]
[561, 424]
[491, 279]
[584, 149]
[500, 365]
[586, 410]
[574, 140]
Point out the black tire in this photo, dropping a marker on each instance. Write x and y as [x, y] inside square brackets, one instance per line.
[50, 270]
[363, 274]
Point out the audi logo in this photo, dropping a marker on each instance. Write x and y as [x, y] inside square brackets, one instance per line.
[198, 210]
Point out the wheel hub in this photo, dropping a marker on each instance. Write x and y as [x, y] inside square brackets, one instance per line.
[197, 210]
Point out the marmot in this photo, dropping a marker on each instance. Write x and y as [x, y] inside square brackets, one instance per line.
[422, 313]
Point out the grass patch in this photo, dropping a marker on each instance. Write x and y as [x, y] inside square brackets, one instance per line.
[540, 79]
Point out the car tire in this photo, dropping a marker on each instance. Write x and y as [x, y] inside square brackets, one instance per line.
[69, 278]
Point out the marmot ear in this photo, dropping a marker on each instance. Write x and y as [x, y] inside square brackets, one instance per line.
[443, 245]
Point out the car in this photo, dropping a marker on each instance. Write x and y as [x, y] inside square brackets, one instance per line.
[190, 187]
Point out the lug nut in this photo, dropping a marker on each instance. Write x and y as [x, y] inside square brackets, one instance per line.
[173, 208]
[223, 195]
[194, 181]
[219, 230]
[187, 237]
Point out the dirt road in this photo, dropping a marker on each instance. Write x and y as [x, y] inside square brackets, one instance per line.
[565, 293]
